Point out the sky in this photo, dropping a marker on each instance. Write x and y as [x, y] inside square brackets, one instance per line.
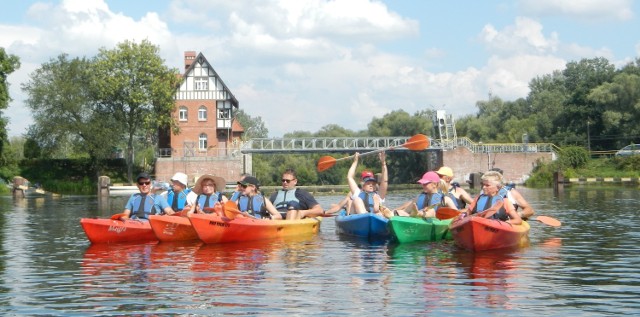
[303, 64]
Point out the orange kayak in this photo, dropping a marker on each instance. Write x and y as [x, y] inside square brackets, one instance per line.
[114, 231]
[477, 234]
[172, 228]
[212, 228]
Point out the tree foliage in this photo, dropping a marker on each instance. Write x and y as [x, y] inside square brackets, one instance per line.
[133, 85]
[8, 64]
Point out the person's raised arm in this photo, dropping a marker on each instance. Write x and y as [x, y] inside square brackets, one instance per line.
[353, 186]
[384, 178]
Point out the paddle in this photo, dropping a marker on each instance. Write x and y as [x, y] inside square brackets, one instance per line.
[549, 221]
[444, 213]
[230, 209]
[118, 216]
[417, 142]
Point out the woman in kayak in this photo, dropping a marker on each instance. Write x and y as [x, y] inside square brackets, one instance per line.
[459, 195]
[252, 203]
[429, 200]
[367, 199]
[490, 204]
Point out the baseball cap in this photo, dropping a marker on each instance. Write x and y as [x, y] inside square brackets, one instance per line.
[429, 177]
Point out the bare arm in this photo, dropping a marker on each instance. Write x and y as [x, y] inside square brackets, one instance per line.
[464, 196]
[275, 214]
[527, 211]
[384, 179]
[353, 186]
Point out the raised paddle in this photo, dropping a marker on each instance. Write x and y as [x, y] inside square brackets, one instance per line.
[417, 142]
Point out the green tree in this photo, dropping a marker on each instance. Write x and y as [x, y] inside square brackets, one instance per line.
[65, 117]
[8, 64]
[135, 87]
[253, 126]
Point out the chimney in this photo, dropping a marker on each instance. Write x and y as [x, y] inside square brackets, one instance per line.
[189, 57]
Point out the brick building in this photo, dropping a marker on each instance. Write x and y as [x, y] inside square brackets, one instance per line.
[209, 137]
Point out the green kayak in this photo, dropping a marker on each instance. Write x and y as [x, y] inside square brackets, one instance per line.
[409, 229]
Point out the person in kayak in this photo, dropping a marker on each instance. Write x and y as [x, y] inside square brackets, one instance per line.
[180, 197]
[380, 189]
[490, 204]
[521, 205]
[141, 205]
[239, 191]
[429, 199]
[294, 203]
[210, 198]
[252, 203]
[366, 199]
[459, 195]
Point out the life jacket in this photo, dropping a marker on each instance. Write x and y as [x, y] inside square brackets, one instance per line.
[143, 212]
[484, 202]
[212, 199]
[236, 195]
[252, 205]
[426, 200]
[181, 197]
[367, 199]
[282, 198]
[460, 204]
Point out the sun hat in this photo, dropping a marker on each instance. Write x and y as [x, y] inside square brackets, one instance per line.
[445, 171]
[429, 177]
[221, 184]
[180, 177]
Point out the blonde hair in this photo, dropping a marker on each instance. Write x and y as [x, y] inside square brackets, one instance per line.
[442, 186]
[493, 176]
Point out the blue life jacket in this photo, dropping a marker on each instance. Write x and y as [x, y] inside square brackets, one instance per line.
[426, 200]
[236, 195]
[484, 202]
[182, 199]
[202, 200]
[367, 199]
[143, 212]
[252, 205]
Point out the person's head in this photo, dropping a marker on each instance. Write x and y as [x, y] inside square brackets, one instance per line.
[289, 179]
[369, 181]
[429, 182]
[445, 173]
[179, 182]
[491, 182]
[499, 170]
[143, 182]
[208, 184]
[250, 185]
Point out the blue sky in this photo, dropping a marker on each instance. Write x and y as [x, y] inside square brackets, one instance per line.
[301, 65]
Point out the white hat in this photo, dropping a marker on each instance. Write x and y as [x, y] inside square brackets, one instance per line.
[180, 177]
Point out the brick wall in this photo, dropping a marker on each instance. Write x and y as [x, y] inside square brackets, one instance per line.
[228, 168]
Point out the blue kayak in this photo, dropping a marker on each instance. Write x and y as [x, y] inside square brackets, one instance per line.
[367, 225]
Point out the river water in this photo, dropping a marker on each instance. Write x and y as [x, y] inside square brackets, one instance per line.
[588, 266]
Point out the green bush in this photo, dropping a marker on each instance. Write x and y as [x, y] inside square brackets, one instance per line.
[573, 157]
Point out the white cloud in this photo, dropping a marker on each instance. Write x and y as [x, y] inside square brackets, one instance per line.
[588, 10]
[525, 36]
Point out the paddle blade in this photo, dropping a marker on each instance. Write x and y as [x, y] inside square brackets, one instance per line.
[549, 221]
[444, 213]
[325, 163]
[230, 209]
[417, 142]
[117, 216]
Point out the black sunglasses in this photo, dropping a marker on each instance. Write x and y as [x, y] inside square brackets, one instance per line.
[144, 183]
[288, 180]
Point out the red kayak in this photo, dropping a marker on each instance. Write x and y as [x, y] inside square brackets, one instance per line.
[172, 228]
[478, 234]
[114, 231]
[212, 228]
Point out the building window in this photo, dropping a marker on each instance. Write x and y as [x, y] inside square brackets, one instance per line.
[201, 83]
[183, 113]
[202, 113]
[202, 142]
[224, 113]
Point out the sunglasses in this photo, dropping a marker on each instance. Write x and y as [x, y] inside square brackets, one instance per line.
[284, 180]
[144, 183]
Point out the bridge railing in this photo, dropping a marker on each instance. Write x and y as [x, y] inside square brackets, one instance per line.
[315, 144]
[505, 147]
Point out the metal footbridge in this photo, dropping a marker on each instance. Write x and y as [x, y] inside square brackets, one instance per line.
[364, 144]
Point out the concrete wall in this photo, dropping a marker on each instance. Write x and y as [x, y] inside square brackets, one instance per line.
[516, 166]
[228, 168]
